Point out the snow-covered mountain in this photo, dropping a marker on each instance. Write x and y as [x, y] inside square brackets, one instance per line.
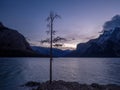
[106, 45]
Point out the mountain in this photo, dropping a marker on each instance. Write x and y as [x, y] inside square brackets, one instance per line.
[46, 51]
[12, 43]
[106, 45]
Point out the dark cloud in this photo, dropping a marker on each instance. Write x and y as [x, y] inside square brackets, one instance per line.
[114, 22]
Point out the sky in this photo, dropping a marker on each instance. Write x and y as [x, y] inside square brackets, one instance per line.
[80, 21]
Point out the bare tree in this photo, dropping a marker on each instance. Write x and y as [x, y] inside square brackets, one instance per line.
[50, 19]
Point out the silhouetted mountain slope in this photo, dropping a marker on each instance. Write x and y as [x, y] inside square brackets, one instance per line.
[46, 51]
[12, 43]
[106, 45]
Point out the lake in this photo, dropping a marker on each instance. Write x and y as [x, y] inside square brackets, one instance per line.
[16, 71]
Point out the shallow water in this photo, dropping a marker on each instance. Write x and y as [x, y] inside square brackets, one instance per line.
[17, 71]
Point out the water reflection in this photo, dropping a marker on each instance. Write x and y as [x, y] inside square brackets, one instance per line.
[10, 73]
[112, 70]
[16, 71]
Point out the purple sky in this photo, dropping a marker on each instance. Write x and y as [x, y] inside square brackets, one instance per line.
[81, 19]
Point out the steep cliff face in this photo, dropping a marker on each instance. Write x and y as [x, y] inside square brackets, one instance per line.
[12, 39]
[106, 45]
[12, 43]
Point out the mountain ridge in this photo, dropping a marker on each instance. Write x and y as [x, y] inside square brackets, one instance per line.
[46, 51]
[14, 44]
[106, 45]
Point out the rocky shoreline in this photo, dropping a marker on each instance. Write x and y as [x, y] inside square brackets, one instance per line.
[62, 85]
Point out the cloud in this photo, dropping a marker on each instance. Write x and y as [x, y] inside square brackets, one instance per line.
[114, 22]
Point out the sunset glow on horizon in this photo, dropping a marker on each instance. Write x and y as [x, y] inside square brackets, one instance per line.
[81, 20]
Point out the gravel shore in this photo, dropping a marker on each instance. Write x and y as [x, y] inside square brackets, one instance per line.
[62, 85]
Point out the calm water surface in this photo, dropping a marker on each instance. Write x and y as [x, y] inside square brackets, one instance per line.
[17, 71]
